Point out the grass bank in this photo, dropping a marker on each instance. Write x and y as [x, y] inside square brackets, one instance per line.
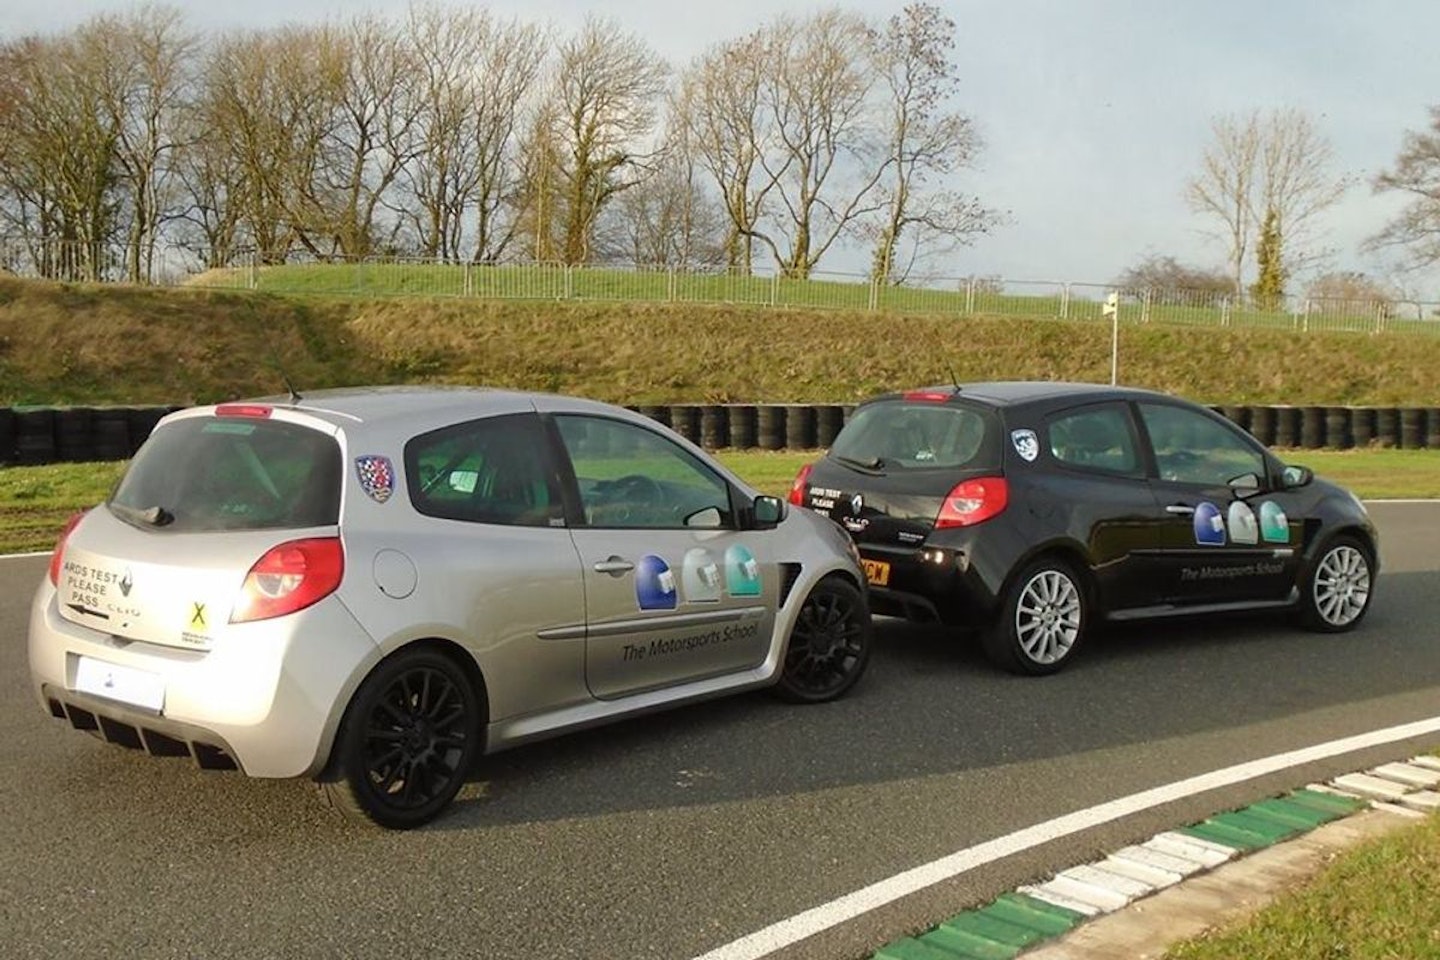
[65, 343]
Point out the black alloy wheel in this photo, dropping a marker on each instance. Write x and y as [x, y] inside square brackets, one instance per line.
[829, 646]
[407, 742]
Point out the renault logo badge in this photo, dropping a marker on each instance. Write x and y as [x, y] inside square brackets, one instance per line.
[857, 503]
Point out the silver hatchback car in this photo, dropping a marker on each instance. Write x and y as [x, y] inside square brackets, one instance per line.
[373, 587]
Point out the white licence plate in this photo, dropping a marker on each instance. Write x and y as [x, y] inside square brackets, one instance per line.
[139, 688]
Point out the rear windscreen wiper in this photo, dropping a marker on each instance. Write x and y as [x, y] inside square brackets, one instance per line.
[150, 516]
[873, 463]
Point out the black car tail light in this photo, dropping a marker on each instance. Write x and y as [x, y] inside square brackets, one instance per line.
[797, 488]
[973, 501]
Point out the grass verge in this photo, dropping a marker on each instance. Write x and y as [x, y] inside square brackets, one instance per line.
[1376, 901]
[35, 501]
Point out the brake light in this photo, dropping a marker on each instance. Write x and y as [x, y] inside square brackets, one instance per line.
[927, 396]
[57, 556]
[256, 410]
[290, 577]
[973, 501]
[797, 489]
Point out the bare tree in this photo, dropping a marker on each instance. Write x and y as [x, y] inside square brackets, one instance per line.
[912, 56]
[57, 157]
[143, 62]
[1353, 293]
[540, 201]
[364, 150]
[603, 108]
[1298, 183]
[476, 76]
[668, 220]
[1260, 162]
[1225, 187]
[1416, 173]
[819, 155]
[717, 110]
[275, 96]
[1165, 273]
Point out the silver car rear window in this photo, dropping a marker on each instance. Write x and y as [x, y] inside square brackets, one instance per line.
[919, 435]
[220, 473]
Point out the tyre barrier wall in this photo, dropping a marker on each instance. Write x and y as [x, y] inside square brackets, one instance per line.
[37, 435]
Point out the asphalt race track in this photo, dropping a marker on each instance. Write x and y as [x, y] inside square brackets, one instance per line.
[669, 836]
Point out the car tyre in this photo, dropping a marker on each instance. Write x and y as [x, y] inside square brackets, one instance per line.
[829, 645]
[1043, 618]
[409, 738]
[1335, 595]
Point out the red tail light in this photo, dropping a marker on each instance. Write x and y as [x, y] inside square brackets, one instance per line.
[57, 557]
[290, 577]
[797, 488]
[973, 501]
[927, 396]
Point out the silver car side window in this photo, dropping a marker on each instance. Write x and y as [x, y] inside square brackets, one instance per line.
[493, 470]
[631, 477]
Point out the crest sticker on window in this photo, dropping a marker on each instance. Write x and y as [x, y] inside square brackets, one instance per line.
[1026, 444]
[377, 477]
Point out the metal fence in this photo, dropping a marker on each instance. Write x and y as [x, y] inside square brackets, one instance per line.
[760, 287]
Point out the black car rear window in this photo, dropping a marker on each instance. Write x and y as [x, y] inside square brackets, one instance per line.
[217, 473]
[919, 435]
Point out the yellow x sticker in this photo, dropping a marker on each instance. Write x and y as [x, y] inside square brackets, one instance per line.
[197, 619]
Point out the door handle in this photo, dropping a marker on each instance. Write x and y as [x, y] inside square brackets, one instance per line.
[615, 566]
[1179, 509]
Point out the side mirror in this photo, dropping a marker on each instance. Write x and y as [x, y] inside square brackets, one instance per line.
[768, 511]
[1292, 477]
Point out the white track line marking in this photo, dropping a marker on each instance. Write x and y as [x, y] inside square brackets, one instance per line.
[794, 929]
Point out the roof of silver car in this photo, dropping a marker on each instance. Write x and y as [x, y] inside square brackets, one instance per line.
[374, 403]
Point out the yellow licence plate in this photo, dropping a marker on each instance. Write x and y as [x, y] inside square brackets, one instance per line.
[876, 571]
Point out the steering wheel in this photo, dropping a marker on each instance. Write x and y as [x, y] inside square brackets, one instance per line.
[637, 487]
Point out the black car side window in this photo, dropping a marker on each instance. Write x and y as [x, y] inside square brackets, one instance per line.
[1095, 438]
[1192, 448]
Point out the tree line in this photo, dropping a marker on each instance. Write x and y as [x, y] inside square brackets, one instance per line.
[447, 132]
[1265, 177]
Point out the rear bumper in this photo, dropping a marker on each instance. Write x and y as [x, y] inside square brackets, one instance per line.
[266, 700]
[933, 583]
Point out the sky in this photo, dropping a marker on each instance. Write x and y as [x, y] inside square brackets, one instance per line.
[1094, 113]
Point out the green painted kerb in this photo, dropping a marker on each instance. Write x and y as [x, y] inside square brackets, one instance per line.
[1015, 922]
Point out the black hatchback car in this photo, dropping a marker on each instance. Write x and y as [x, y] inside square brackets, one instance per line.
[1032, 510]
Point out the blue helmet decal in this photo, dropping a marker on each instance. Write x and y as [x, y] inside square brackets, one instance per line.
[1209, 525]
[654, 584]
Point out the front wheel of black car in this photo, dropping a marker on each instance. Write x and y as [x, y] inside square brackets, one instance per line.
[1042, 620]
[407, 741]
[829, 645]
[1336, 593]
